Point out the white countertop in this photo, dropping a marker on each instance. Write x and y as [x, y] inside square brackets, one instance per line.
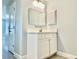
[43, 31]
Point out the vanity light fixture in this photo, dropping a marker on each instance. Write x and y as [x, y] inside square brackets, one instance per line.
[38, 4]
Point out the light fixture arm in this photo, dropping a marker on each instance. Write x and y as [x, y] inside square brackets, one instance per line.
[38, 0]
[38, 3]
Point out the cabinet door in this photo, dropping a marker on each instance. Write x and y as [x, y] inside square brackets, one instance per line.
[32, 46]
[43, 48]
[53, 46]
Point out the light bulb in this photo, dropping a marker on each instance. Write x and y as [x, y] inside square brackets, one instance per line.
[38, 4]
[41, 5]
[35, 3]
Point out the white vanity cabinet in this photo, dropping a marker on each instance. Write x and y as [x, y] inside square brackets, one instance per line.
[41, 45]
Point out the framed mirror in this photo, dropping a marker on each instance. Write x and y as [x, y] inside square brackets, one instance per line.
[52, 17]
[36, 16]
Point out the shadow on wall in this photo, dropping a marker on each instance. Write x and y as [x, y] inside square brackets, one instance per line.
[60, 45]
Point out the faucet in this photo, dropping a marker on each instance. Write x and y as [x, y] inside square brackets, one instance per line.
[40, 30]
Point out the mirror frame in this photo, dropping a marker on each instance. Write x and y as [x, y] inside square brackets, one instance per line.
[55, 20]
[45, 16]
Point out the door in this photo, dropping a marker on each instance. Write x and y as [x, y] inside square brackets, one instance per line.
[12, 30]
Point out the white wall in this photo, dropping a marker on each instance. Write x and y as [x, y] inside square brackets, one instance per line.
[66, 17]
[23, 6]
[18, 46]
[67, 27]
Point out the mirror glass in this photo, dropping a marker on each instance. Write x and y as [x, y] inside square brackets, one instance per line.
[52, 17]
[37, 16]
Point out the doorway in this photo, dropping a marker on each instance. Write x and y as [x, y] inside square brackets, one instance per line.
[11, 30]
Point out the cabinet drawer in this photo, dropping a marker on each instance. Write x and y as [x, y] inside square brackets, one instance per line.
[47, 36]
[50, 35]
[41, 36]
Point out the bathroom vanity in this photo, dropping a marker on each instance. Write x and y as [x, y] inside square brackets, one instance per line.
[41, 45]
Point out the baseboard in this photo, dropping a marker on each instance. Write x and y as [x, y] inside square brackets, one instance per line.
[53, 53]
[19, 56]
[69, 56]
[24, 57]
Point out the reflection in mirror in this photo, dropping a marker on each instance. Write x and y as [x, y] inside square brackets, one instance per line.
[37, 16]
[52, 17]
